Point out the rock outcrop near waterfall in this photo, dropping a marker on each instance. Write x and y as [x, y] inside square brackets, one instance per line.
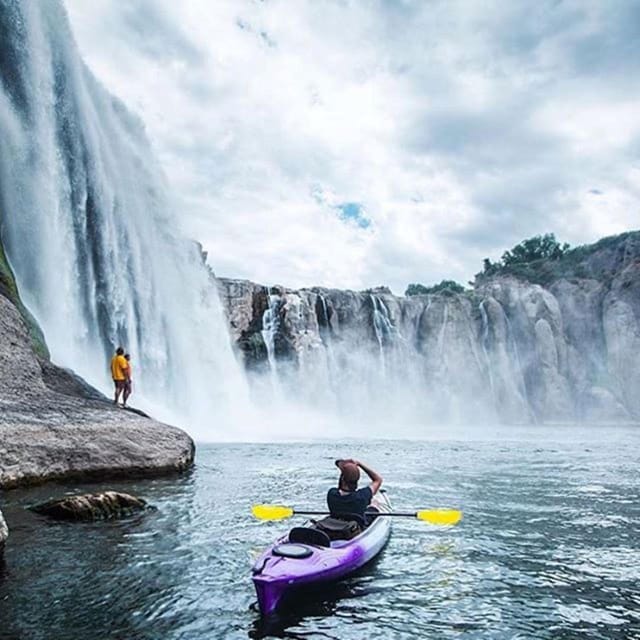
[508, 349]
[54, 426]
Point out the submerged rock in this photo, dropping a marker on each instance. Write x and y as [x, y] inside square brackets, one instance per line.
[4, 532]
[96, 506]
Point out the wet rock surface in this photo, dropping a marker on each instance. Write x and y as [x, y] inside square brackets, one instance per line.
[97, 506]
[54, 426]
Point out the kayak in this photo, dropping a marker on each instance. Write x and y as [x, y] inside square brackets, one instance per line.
[307, 559]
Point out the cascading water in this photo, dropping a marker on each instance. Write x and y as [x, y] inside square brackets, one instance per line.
[382, 326]
[270, 325]
[91, 234]
[484, 340]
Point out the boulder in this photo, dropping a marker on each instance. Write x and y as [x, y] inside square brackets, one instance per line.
[92, 506]
[54, 426]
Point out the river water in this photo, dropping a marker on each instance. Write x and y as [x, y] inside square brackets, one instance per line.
[549, 546]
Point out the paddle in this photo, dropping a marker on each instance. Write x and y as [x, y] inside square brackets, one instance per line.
[434, 516]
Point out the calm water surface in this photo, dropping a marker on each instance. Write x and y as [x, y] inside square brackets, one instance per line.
[549, 546]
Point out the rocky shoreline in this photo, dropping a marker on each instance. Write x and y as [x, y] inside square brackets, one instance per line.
[53, 426]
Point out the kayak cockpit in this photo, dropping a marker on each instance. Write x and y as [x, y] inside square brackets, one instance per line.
[309, 535]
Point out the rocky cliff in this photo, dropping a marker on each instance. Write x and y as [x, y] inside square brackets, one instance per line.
[54, 426]
[559, 345]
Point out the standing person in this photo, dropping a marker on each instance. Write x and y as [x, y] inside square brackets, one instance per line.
[119, 373]
[127, 385]
[347, 498]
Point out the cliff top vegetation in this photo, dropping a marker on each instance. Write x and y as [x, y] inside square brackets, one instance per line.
[446, 287]
[542, 259]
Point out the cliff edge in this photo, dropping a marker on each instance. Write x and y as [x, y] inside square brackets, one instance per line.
[550, 341]
[54, 426]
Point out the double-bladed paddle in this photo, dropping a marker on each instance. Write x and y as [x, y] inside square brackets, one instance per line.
[434, 516]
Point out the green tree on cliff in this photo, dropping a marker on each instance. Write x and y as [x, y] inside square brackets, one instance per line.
[448, 287]
[544, 247]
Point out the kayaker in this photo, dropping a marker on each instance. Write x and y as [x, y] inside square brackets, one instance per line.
[347, 498]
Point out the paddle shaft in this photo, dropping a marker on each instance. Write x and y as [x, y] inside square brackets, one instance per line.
[404, 514]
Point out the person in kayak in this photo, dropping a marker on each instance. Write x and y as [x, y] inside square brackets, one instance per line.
[347, 499]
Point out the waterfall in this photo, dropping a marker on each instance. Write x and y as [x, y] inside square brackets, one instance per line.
[484, 341]
[383, 328]
[92, 234]
[520, 382]
[270, 326]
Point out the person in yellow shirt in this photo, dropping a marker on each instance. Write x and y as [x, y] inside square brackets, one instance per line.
[119, 373]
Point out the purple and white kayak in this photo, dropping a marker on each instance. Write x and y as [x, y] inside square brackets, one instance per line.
[288, 566]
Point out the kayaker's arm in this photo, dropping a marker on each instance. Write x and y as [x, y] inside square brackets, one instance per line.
[376, 478]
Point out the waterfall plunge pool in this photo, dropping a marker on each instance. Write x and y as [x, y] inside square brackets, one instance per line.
[549, 546]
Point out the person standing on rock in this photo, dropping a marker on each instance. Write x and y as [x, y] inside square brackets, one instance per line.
[119, 373]
[128, 383]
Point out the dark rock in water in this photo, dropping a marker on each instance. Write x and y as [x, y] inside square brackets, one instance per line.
[96, 506]
[4, 532]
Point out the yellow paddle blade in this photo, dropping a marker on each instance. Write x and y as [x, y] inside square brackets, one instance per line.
[271, 512]
[442, 516]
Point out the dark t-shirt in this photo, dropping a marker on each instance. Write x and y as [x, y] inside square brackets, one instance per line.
[354, 502]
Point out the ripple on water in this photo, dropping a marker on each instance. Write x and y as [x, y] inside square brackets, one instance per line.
[549, 547]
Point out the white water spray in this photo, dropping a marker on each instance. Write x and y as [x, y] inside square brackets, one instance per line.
[92, 234]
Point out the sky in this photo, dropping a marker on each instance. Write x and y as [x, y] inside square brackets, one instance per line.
[353, 144]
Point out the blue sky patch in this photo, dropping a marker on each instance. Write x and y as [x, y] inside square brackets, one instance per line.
[353, 212]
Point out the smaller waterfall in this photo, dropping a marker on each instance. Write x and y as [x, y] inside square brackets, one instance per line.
[383, 327]
[484, 342]
[325, 330]
[322, 315]
[521, 384]
[270, 326]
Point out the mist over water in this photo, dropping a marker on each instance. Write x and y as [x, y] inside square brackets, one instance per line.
[353, 366]
[92, 236]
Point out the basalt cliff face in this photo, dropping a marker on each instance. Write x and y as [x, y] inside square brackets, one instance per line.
[508, 350]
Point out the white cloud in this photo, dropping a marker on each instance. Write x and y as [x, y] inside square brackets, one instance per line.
[459, 128]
